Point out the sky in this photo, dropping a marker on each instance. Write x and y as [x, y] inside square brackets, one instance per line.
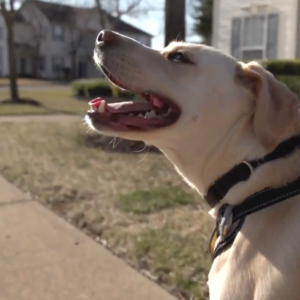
[153, 23]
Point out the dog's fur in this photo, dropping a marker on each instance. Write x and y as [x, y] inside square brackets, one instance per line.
[231, 112]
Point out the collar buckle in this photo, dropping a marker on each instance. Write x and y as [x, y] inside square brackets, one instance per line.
[224, 221]
[249, 166]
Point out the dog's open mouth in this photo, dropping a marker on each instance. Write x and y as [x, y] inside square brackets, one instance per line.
[154, 112]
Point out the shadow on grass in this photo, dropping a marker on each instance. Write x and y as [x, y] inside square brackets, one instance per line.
[115, 145]
[22, 101]
[36, 103]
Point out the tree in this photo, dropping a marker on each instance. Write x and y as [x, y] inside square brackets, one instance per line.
[9, 14]
[36, 22]
[79, 34]
[111, 11]
[174, 20]
[204, 20]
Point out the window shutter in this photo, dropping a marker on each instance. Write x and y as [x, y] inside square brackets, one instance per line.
[236, 27]
[272, 36]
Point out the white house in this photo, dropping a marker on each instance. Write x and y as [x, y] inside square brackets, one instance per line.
[3, 48]
[57, 41]
[257, 29]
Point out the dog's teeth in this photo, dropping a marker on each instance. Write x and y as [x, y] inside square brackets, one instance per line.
[152, 114]
[168, 112]
[101, 107]
[131, 115]
[140, 116]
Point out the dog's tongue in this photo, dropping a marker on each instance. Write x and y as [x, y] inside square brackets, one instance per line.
[121, 107]
[128, 107]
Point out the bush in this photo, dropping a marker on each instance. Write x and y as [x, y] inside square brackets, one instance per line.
[287, 71]
[89, 88]
[118, 93]
[293, 83]
[283, 67]
[92, 88]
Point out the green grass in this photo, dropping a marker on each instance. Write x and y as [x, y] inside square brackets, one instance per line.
[134, 202]
[54, 101]
[26, 82]
[168, 256]
[145, 202]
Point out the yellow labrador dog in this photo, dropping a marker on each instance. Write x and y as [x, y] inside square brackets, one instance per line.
[208, 113]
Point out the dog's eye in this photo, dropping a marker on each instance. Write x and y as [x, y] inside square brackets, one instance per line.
[178, 57]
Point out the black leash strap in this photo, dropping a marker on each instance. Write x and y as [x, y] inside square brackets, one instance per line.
[243, 171]
[252, 204]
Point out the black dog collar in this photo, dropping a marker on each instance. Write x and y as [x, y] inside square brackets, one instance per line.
[231, 219]
[243, 171]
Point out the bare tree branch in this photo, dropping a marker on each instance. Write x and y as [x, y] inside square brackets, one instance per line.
[111, 11]
[102, 13]
[11, 4]
[2, 6]
[79, 35]
[38, 35]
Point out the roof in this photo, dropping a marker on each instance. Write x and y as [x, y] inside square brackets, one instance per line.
[125, 27]
[55, 12]
[61, 13]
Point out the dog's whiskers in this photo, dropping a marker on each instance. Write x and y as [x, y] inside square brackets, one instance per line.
[139, 151]
[114, 142]
[145, 154]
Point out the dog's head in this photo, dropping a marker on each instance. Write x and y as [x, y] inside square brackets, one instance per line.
[196, 99]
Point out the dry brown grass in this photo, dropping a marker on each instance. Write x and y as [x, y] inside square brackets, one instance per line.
[164, 239]
[25, 82]
[54, 100]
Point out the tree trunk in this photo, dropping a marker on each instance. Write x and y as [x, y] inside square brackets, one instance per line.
[14, 93]
[174, 20]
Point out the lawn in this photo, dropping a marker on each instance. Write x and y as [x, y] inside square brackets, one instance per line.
[133, 203]
[25, 82]
[53, 100]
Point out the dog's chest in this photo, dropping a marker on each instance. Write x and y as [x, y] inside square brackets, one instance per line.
[227, 283]
[263, 262]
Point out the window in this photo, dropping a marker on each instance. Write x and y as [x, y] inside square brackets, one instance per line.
[57, 64]
[254, 37]
[58, 33]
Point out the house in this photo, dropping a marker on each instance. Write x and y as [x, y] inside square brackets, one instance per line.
[257, 29]
[57, 41]
[3, 48]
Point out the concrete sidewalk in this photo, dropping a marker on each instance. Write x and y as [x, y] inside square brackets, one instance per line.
[45, 258]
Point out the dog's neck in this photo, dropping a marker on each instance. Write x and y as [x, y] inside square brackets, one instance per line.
[201, 167]
[202, 163]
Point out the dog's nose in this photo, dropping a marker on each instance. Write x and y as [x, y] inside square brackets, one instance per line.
[106, 36]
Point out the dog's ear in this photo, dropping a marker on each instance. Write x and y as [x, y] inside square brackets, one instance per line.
[276, 107]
